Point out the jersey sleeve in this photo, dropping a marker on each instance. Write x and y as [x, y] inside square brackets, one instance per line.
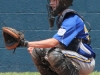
[68, 30]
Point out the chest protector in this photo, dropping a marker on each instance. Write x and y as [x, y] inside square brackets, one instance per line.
[75, 42]
[66, 14]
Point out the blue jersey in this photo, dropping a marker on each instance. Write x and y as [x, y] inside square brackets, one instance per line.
[74, 27]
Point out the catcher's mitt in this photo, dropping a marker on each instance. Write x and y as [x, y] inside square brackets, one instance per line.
[12, 37]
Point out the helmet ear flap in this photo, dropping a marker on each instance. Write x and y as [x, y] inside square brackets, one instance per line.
[66, 3]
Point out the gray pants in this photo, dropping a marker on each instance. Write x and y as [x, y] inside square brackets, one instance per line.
[53, 62]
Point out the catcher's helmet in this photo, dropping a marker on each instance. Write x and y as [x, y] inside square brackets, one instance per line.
[63, 4]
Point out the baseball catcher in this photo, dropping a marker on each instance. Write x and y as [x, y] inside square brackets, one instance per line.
[68, 52]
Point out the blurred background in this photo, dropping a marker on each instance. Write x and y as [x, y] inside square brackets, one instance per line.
[30, 17]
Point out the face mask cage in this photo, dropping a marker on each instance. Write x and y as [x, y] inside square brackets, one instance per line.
[50, 14]
[63, 4]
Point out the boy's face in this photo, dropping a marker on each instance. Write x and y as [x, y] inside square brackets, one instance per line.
[54, 4]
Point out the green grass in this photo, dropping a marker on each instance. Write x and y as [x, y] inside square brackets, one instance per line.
[19, 73]
[34, 73]
[95, 73]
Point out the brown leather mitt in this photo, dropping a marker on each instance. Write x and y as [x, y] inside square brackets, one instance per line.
[12, 37]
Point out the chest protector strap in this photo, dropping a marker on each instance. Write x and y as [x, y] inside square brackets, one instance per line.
[65, 14]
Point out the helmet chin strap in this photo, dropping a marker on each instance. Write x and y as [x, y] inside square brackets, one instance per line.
[51, 21]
